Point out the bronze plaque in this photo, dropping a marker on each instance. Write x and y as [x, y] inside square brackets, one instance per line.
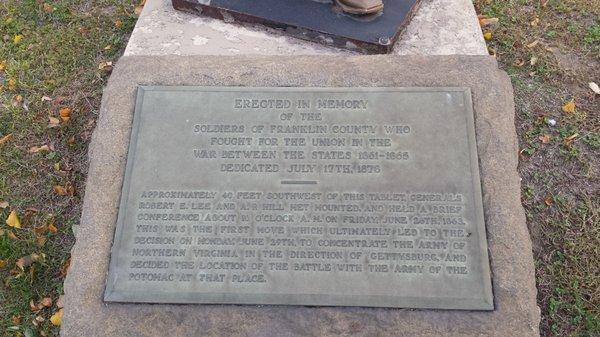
[302, 196]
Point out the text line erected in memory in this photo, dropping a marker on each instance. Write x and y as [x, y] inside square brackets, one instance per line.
[302, 196]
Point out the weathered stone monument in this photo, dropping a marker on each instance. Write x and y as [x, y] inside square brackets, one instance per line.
[305, 195]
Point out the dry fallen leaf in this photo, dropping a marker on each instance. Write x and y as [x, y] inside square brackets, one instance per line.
[107, 66]
[533, 60]
[533, 44]
[40, 230]
[65, 114]
[46, 302]
[60, 301]
[40, 241]
[68, 189]
[53, 122]
[535, 22]
[595, 88]
[57, 318]
[487, 21]
[118, 24]
[18, 102]
[12, 236]
[32, 271]
[48, 8]
[549, 200]
[36, 149]
[83, 30]
[519, 63]
[52, 228]
[60, 190]
[12, 84]
[3, 263]
[6, 138]
[65, 268]
[569, 107]
[39, 319]
[569, 140]
[3, 204]
[31, 210]
[545, 139]
[16, 320]
[26, 261]
[13, 220]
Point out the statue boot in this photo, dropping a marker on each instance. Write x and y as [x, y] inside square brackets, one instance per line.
[360, 7]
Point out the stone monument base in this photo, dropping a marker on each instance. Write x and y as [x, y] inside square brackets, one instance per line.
[515, 311]
[318, 21]
[438, 27]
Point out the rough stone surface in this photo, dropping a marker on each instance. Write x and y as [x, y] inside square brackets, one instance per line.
[439, 27]
[516, 312]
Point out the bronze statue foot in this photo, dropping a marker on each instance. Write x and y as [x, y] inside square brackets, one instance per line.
[360, 7]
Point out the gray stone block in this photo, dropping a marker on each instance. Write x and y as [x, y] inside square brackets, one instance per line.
[515, 311]
[439, 27]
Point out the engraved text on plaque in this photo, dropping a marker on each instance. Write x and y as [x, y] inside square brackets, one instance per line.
[309, 196]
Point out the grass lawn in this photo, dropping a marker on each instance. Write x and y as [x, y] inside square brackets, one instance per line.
[55, 58]
[551, 50]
